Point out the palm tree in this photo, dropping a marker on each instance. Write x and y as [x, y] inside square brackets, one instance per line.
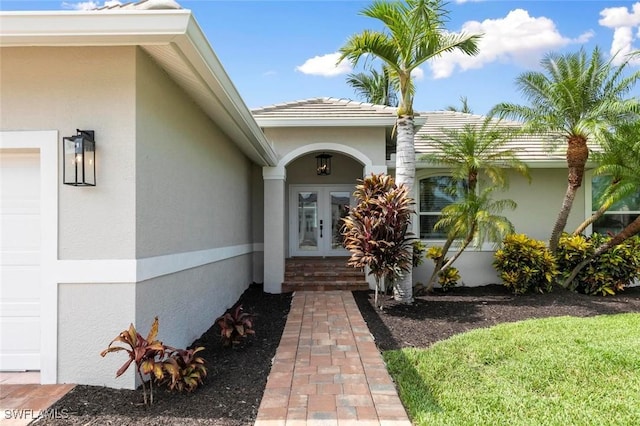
[374, 87]
[575, 98]
[468, 153]
[612, 165]
[465, 108]
[629, 183]
[475, 216]
[414, 32]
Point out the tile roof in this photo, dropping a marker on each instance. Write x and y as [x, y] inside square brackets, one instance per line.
[530, 147]
[143, 5]
[324, 108]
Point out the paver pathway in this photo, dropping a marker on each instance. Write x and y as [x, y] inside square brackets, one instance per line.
[327, 369]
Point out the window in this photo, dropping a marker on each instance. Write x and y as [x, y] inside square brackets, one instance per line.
[436, 192]
[619, 215]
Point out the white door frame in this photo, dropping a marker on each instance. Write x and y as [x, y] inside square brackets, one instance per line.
[46, 142]
[324, 214]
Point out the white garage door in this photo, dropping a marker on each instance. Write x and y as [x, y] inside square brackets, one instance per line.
[20, 260]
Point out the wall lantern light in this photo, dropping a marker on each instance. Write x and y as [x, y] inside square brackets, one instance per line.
[79, 159]
[323, 164]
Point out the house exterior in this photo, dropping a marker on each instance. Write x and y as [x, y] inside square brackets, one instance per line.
[196, 197]
[169, 229]
[359, 136]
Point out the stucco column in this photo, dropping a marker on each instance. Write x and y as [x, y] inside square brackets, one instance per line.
[274, 228]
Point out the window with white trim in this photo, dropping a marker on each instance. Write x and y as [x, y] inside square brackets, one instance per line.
[435, 193]
[619, 215]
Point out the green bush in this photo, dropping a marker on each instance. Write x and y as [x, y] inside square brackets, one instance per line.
[525, 264]
[610, 272]
[447, 278]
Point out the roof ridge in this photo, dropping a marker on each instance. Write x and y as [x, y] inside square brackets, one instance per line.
[142, 5]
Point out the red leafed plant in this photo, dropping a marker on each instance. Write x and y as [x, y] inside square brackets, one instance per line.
[185, 370]
[235, 325]
[178, 369]
[145, 353]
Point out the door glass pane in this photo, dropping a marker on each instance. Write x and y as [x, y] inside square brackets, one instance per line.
[308, 221]
[339, 210]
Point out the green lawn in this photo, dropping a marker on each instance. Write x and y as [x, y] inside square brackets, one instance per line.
[554, 371]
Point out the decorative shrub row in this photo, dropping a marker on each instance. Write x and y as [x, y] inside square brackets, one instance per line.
[609, 273]
[176, 369]
[526, 265]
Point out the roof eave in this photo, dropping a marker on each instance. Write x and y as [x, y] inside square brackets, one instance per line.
[167, 29]
[266, 122]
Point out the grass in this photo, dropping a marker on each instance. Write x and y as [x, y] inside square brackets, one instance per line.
[553, 371]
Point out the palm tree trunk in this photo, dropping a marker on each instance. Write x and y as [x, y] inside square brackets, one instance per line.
[405, 175]
[438, 266]
[595, 216]
[577, 155]
[629, 231]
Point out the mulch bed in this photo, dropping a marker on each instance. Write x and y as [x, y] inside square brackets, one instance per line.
[231, 392]
[439, 316]
[237, 377]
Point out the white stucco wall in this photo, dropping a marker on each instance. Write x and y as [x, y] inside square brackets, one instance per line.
[193, 186]
[344, 170]
[90, 316]
[73, 88]
[538, 206]
[368, 140]
[193, 194]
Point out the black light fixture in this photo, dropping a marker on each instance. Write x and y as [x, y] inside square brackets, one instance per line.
[323, 164]
[79, 159]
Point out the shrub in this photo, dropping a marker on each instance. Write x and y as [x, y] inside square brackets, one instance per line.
[609, 273]
[235, 325]
[177, 368]
[525, 264]
[184, 369]
[419, 249]
[447, 278]
[146, 354]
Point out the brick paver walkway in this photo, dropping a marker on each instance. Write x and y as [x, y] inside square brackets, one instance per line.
[327, 369]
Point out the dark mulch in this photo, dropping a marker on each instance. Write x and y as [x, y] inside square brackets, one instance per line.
[438, 316]
[237, 377]
[230, 395]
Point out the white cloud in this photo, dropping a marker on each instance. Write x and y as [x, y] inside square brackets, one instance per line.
[622, 21]
[517, 38]
[325, 66]
[417, 74]
[89, 5]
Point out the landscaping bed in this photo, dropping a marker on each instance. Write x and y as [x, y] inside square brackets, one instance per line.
[235, 384]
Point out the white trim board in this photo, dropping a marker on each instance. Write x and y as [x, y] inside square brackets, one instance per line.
[137, 270]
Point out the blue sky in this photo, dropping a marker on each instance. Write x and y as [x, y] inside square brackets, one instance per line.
[278, 50]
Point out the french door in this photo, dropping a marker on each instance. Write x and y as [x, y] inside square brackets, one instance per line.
[315, 214]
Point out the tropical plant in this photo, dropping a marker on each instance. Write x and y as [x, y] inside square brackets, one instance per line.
[629, 183]
[185, 370]
[474, 216]
[617, 162]
[235, 325]
[469, 153]
[376, 230]
[574, 99]
[449, 277]
[525, 264]
[146, 354]
[414, 32]
[607, 274]
[464, 106]
[374, 87]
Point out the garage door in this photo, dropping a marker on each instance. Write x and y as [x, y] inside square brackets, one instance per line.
[20, 260]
